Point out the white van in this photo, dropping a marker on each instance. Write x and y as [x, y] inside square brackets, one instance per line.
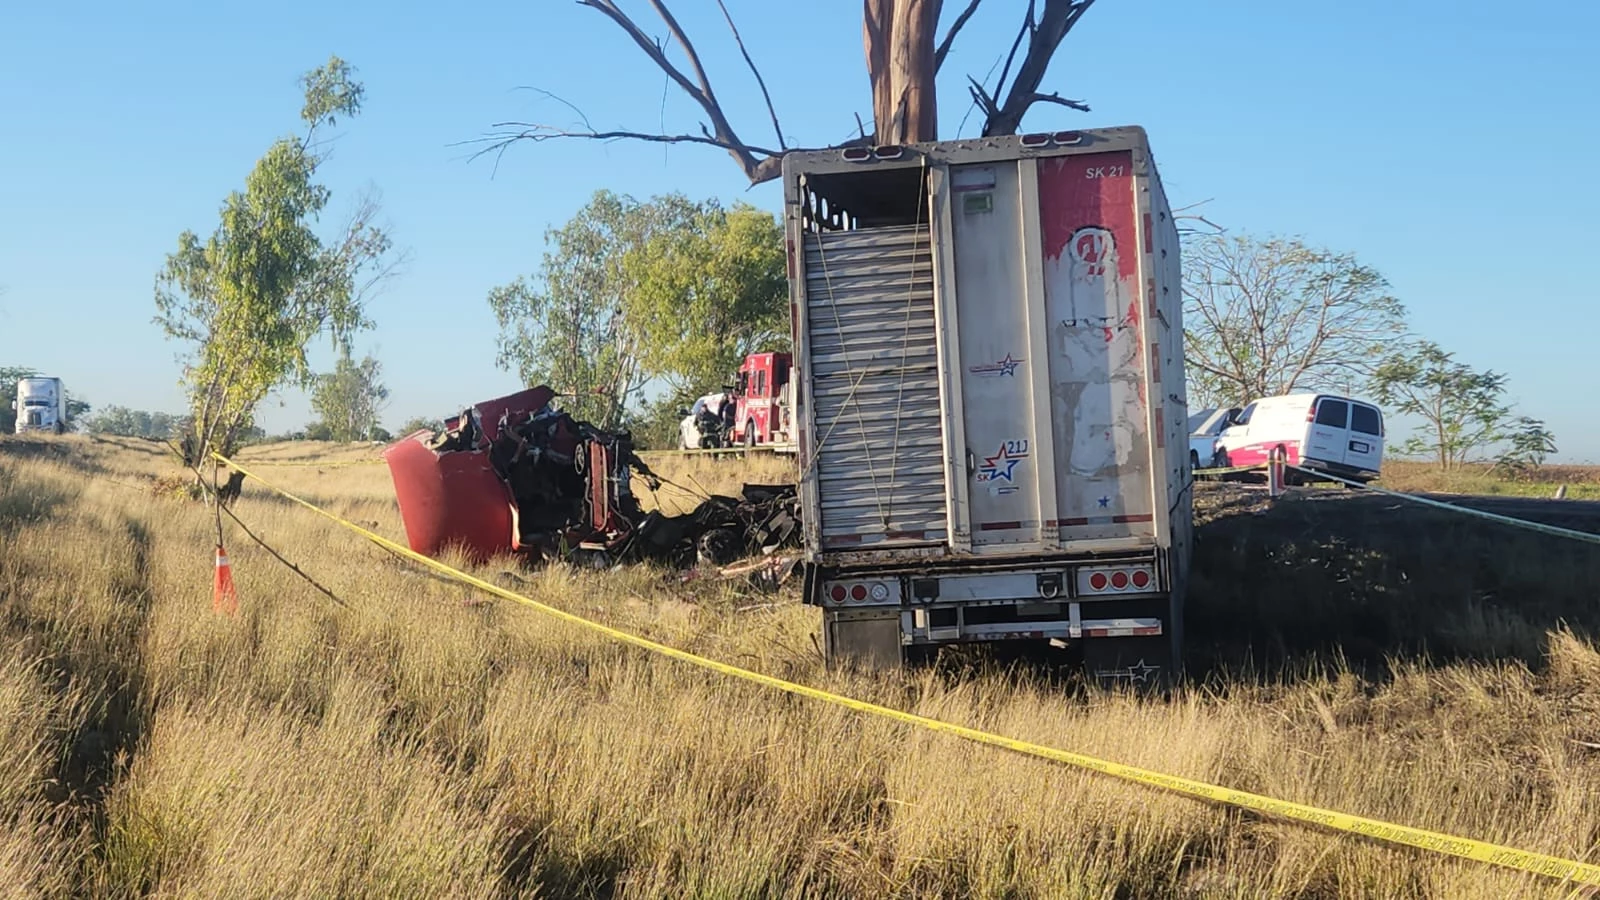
[1322, 432]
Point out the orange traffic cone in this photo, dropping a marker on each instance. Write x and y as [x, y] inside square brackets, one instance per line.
[223, 598]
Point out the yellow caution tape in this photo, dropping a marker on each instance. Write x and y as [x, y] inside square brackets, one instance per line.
[1568, 870]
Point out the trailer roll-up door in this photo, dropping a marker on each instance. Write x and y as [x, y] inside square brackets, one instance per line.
[874, 382]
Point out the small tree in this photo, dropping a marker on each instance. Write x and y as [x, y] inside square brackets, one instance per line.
[1267, 317]
[1529, 443]
[250, 298]
[77, 411]
[350, 398]
[1461, 407]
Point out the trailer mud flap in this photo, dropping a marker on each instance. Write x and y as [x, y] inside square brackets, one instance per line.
[865, 637]
[1141, 663]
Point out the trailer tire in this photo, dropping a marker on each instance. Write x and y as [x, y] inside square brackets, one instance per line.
[750, 435]
[1194, 460]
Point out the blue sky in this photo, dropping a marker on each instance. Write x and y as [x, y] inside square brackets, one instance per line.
[1437, 141]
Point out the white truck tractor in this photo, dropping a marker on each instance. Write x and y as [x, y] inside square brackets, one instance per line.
[41, 405]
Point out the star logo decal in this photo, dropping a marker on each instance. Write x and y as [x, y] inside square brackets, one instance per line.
[1138, 672]
[1000, 466]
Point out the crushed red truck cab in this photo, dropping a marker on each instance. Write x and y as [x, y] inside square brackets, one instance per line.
[450, 496]
[517, 475]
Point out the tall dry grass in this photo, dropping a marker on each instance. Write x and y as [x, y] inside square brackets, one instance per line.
[415, 739]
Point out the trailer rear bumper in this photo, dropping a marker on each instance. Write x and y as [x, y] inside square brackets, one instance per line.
[1121, 615]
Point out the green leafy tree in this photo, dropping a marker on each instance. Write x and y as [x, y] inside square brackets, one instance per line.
[1461, 407]
[1265, 317]
[419, 423]
[567, 327]
[1529, 442]
[251, 297]
[706, 291]
[77, 410]
[9, 376]
[655, 422]
[350, 398]
[125, 422]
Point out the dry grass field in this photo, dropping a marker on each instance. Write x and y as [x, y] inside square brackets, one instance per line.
[415, 739]
[1581, 482]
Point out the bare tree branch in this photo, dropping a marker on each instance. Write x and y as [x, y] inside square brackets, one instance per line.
[757, 163]
[763, 170]
[982, 99]
[1078, 105]
[950, 36]
[771, 110]
[1043, 38]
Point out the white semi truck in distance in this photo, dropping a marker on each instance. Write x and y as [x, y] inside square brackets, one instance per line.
[993, 433]
[41, 405]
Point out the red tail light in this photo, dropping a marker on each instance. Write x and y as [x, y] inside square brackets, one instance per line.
[1098, 581]
[858, 593]
[1119, 580]
[1141, 579]
[838, 593]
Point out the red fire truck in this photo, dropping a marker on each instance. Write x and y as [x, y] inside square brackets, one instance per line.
[765, 391]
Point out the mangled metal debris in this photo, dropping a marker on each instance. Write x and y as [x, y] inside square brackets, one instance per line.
[516, 475]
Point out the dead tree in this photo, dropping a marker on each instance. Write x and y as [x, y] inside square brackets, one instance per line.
[903, 62]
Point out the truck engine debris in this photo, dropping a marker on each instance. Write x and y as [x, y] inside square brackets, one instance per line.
[516, 475]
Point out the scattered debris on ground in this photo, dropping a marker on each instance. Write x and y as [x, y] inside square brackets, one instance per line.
[517, 475]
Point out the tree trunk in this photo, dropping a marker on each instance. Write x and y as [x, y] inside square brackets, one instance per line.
[899, 37]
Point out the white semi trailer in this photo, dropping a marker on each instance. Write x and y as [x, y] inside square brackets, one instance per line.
[992, 416]
[41, 405]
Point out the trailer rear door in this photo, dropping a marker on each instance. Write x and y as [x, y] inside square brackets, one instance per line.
[878, 449]
[1047, 271]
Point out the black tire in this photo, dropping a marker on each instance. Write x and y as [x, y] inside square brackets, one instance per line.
[1194, 460]
[1219, 459]
[750, 435]
[719, 546]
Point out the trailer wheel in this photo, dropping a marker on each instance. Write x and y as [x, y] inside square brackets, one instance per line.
[1194, 460]
[750, 435]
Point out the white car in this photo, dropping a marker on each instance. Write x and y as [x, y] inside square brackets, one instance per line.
[1205, 428]
[689, 436]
